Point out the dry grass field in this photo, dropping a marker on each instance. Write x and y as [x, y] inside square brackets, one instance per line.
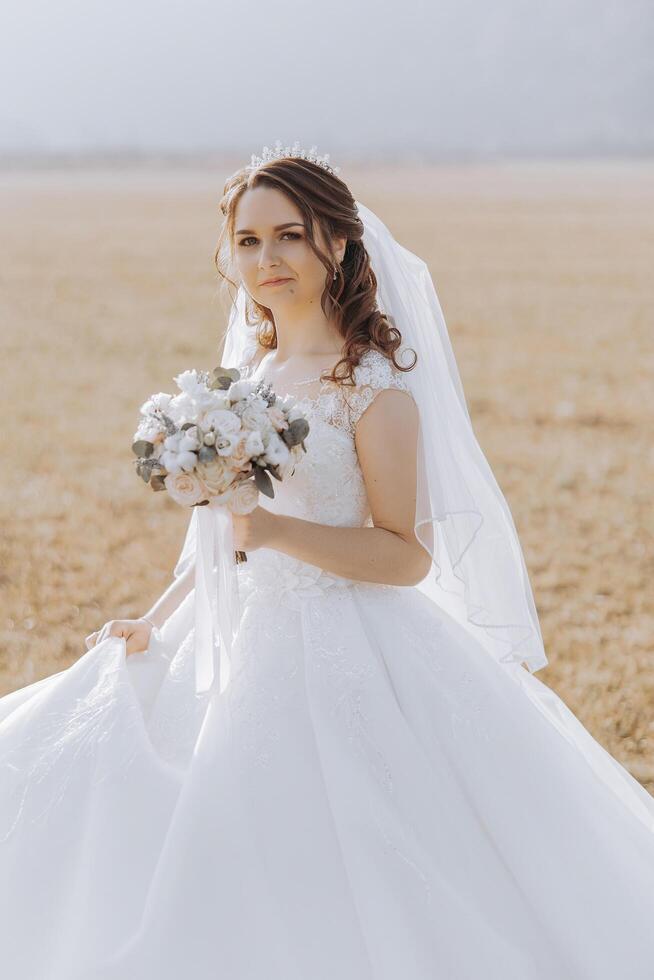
[544, 272]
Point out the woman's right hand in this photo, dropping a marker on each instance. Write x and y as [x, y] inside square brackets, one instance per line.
[136, 632]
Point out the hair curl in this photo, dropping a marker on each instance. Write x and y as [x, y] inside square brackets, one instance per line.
[350, 300]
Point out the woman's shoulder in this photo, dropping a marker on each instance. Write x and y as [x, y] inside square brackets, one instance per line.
[377, 370]
[374, 373]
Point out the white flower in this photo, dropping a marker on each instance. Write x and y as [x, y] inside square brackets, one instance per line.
[172, 442]
[254, 444]
[150, 430]
[181, 409]
[189, 382]
[276, 449]
[190, 439]
[240, 389]
[226, 444]
[245, 497]
[218, 403]
[255, 416]
[195, 396]
[216, 474]
[176, 462]
[159, 401]
[222, 420]
[185, 488]
[178, 452]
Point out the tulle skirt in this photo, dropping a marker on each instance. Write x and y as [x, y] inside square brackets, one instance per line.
[371, 797]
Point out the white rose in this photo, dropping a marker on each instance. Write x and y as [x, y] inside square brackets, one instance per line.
[256, 417]
[245, 497]
[185, 488]
[223, 421]
[216, 474]
[217, 403]
[204, 400]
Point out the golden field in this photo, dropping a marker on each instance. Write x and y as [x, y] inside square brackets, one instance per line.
[544, 272]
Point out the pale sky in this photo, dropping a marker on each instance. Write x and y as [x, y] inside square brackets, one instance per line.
[463, 78]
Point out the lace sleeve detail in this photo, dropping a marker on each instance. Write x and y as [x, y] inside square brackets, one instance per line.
[374, 373]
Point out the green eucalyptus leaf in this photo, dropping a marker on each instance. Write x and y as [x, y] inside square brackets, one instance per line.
[297, 431]
[233, 373]
[219, 384]
[223, 378]
[263, 481]
[142, 447]
[144, 469]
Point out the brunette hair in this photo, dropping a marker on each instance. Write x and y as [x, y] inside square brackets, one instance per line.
[350, 300]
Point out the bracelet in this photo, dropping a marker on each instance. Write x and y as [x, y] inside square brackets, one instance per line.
[150, 622]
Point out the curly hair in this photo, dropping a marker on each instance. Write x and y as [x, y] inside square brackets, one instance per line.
[349, 300]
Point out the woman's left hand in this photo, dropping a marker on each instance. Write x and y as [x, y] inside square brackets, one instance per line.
[254, 530]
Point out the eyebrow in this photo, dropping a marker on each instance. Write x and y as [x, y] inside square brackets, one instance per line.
[289, 224]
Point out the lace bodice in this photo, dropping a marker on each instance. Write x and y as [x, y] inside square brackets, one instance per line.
[328, 485]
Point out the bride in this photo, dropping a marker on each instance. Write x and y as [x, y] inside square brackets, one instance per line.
[361, 777]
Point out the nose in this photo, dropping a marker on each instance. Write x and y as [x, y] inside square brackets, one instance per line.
[267, 258]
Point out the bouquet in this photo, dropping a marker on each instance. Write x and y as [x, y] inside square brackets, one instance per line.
[218, 439]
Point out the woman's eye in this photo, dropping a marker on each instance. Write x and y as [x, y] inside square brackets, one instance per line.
[251, 238]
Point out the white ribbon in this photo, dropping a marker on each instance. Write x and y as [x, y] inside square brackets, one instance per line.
[217, 606]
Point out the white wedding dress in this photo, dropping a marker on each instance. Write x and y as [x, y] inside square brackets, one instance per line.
[372, 797]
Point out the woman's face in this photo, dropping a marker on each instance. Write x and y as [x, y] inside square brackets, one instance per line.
[266, 251]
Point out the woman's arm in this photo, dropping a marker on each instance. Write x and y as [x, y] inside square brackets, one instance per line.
[389, 552]
[168, 602]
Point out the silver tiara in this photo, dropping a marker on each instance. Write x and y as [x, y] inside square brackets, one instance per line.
[282, 152]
